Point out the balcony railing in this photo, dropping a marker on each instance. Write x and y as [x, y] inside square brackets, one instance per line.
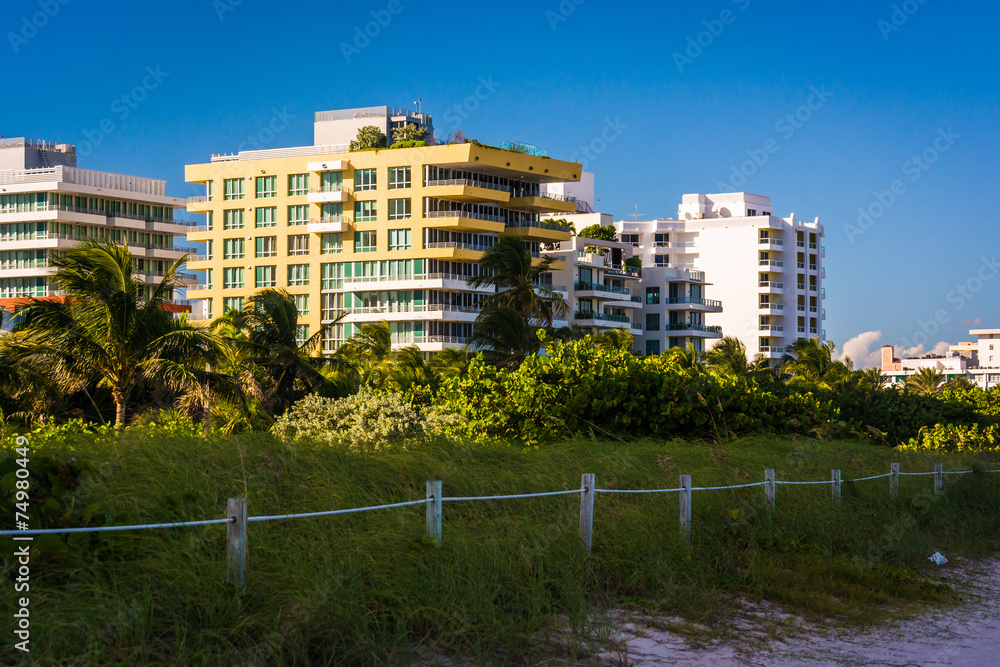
[770, 241]
[557, 197]
[771, 284]
[683, 326]
[772, 349]
[771, 327]
[457, 246]
[463, 214]
[538, 224]
[695, 300]
[598, 287]
[593, 315]
[812, 267]
[772, 306]
[468, 182]
[326, 189]
[771, 262]
[412, 308]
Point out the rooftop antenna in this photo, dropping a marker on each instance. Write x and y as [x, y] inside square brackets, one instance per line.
[637, 214]
[417, 103]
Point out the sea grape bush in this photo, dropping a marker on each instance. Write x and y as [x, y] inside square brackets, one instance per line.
[956, 438]
[579, 387]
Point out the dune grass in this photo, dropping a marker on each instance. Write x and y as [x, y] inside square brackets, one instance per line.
[509, 575]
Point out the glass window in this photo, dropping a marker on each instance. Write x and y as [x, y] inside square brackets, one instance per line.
[302, 304]
[331, 181]
[209, 221]
[233, 188]
[399, 239]
[399, 177]
[208, 278]
[332, 276]
[267, 276]
[298, 215]
[298, 275]
[208, 308]
[298, 184]
[233, 248]
[298, 244]
[331, 213]
[399, 209]
[267, 246]
[652, 347]
[364, 211]
[232, 278]
[232, 219]
[364, 241]
[232, 303]
[209, 190]
[267, 186]
[301, 334]
[209, 245]
[364, 179]
[332, 243]
[652, 295]
[661, 260]
[652, 321]
[267, 216]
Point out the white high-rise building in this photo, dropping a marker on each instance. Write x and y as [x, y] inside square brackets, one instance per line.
[767, 270]
[48, 204]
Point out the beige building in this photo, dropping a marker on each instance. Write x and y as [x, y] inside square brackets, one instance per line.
[382, 234]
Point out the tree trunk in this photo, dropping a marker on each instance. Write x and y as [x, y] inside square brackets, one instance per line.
[206, 419]
[119, 410]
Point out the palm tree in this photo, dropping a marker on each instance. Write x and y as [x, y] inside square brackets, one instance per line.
[107, 332]
[368, 353]
[874, 379]
[925, 381]
[615, 339]
[810, 362]
[508, 267]
[450, 362]
[266, 334]
[729, 358]
[504, 336]
[960, 383]
[570, 332]
[409, 368]
[685, 357]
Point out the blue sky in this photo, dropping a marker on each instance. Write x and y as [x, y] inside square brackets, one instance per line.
[692, 90]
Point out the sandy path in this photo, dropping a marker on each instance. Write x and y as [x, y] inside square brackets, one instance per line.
[965, 635]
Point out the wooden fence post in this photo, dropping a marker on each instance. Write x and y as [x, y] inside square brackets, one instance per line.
[894, 480]
[685, 496]
[587, 510]
[236, 541]
[769, 487]
[434, 511]
[835, 487]
[938, 479]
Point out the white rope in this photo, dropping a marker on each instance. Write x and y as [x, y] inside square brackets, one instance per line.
[637, 491]
[916, 473]
[332, 512]
[865, 479]
[520, 495]
[825, 481]
[107, 529]
[955, 472]
[719, 488]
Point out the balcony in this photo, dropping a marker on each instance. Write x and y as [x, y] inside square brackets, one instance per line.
[467, 189]
[545, 203]
[771, 351]
[769, 285]
[334, 224]
[771, 242]
[686, 326]
[407, 311]
[694, 303]
[771, 327]
[771, 262]
[464, 220]
[592, 318]
[598, 287]
[812, 330]
[812, 267]
[771, 306]
[457, 246]
[539, 230]
[328, 194]
[448, 281]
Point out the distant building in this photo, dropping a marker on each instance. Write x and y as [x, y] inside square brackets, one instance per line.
[48, 204]
[979, 361]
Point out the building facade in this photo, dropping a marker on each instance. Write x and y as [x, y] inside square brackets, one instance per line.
[48, 204]
[767, 270]
[390, 234]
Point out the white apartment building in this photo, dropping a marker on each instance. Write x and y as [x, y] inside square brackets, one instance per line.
[978, 361]
[767, 270]
[601, 290]
[48, 204]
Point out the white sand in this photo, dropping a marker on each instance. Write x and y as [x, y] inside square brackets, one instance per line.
[964, 635]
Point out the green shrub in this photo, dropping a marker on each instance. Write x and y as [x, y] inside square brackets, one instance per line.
[955, 438]
[408, 144]
[365, 420]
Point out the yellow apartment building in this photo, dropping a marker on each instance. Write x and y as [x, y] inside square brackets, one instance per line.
[383, 235]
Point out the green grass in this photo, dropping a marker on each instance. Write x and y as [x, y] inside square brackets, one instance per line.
[509, 575]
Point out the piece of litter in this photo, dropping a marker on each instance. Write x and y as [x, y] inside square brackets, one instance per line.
[938, 559]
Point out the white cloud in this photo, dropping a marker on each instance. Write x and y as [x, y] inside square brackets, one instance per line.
[859, 349]
[865, 350]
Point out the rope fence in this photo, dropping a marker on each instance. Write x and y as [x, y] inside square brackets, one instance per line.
[237, 518]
